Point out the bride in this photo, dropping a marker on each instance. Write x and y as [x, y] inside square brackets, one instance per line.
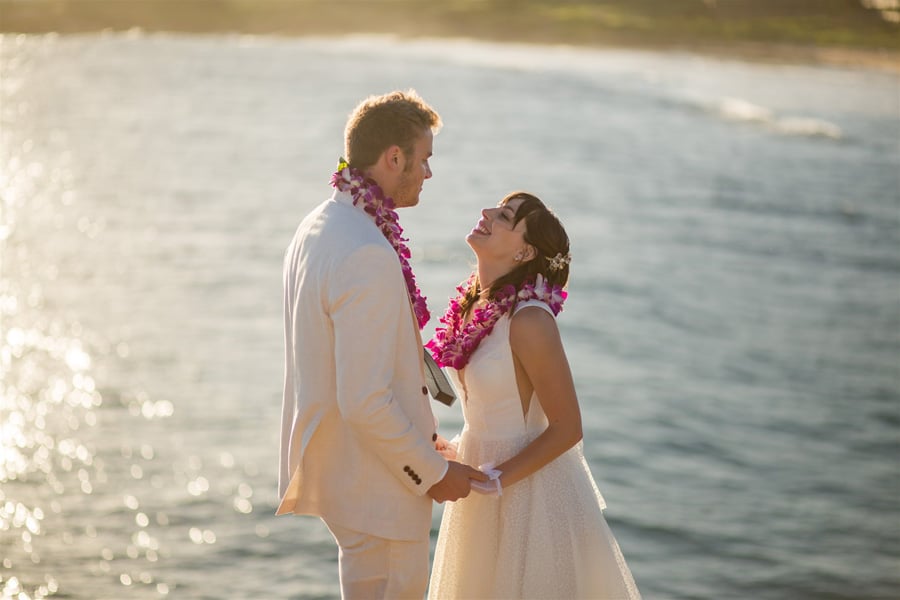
[537, 529]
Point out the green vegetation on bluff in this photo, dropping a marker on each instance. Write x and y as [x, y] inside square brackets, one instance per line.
[709, 25]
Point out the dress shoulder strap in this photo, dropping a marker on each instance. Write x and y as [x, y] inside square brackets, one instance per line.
[538, 303]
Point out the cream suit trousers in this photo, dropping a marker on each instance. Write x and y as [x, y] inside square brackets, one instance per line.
[375, 568]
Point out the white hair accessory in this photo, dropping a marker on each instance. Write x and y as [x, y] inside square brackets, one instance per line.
[559, 261]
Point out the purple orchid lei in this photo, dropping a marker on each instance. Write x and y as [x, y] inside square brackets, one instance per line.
[453, 345]
[381, 209]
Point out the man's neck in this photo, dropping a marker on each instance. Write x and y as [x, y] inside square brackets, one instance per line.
[375, 174]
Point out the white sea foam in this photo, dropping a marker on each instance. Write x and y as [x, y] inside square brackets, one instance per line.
[807, 126]
[737, 109]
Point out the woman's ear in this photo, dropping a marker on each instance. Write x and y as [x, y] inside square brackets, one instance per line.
[529, 253]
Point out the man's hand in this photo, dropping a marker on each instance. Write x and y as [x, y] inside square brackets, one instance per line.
[456, 484]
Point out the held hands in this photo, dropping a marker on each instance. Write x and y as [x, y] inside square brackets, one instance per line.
[447, 449]
[457, 483]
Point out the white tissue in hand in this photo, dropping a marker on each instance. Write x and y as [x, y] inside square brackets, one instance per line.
[491, 487]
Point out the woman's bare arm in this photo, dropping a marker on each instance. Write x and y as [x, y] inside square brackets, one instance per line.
[537, 348]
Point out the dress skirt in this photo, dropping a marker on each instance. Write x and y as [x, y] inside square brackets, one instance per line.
[544, 537]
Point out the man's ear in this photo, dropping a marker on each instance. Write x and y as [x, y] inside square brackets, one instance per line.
[395, 160]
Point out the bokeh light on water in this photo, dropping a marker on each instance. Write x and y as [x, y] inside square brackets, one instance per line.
[99, 490]
[55, 502]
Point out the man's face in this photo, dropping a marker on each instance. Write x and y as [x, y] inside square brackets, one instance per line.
[415, 171]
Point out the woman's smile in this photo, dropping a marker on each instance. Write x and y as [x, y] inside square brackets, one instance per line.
[482, 228]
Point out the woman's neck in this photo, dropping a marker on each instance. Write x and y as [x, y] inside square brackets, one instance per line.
[487, 276]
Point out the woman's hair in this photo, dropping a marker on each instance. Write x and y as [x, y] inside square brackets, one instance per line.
[379, 122]
[546, 235]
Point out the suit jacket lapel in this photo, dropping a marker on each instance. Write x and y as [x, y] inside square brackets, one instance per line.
[347, 198]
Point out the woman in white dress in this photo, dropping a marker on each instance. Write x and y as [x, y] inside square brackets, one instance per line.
[537, 530]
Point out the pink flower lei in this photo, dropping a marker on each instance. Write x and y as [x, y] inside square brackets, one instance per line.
[381, 209]
[453, 345]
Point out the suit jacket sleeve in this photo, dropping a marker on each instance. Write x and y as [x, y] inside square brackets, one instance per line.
[368, 305]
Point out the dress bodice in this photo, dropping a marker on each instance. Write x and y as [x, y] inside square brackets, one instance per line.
[487, 385]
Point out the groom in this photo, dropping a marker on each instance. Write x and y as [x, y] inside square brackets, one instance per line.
[357, 432]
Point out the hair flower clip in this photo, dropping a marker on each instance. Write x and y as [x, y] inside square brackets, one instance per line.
[559, 261]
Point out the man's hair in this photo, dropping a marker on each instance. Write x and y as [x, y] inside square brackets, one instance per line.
[379, 122]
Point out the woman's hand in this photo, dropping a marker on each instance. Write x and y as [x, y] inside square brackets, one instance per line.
[447, 449]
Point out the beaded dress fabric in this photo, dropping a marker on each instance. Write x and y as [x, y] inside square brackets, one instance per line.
[545, 536]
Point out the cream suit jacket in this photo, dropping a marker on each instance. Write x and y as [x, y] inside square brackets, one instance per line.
[357, 426]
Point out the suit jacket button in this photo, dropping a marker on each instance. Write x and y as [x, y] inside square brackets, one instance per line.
[424, 390]
[418, 481]
[407, 469]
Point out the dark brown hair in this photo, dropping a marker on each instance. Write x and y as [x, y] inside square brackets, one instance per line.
[545, 233]
[379, 122]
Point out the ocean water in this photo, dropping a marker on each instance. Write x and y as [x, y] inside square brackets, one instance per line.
[733, 322]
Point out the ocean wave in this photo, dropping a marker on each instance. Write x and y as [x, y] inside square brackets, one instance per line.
[737, 109]
[808, 127]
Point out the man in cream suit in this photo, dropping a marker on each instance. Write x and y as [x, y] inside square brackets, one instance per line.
[357, 445]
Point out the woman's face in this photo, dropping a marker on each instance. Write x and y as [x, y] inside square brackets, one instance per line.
[496, 237]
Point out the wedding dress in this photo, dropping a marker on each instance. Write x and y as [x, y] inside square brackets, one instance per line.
[545, 536]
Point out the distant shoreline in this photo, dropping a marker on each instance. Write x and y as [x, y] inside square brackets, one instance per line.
[865, 42]
[791, 54]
